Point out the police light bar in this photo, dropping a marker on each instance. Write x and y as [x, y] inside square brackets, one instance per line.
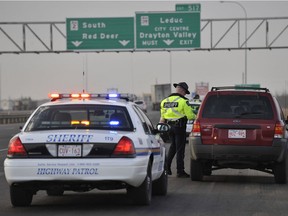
[114, 123]
[83, 122]
[57, 96]
[113, 95]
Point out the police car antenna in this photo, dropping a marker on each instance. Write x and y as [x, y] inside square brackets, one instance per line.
[83, 80]
[84, 75]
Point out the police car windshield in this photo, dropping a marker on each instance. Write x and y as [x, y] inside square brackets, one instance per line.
[62, 117]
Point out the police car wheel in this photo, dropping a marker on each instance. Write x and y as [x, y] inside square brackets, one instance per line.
[160, 186]
[20, 196]
[142, 195]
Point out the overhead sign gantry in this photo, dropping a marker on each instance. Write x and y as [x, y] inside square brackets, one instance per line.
[119, 34]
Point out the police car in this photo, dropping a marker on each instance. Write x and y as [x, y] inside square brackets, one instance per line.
[195, 104]
[80, 142]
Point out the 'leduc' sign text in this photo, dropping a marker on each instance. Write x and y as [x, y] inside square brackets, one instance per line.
[167, 30]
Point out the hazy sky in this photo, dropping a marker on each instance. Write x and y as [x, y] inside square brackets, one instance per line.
[32, 75]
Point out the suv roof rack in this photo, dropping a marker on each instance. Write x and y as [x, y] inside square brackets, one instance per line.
[239, 87]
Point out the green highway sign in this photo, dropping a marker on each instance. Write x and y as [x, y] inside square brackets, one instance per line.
[100, 33]
[188, 7]
[167, 30]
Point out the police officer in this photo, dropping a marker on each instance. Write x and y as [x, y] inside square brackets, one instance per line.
[196, 98]
[175, 111]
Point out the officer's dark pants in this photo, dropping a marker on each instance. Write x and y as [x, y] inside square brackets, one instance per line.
[178, 142]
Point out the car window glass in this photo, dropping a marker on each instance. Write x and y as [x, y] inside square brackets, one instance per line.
[81, 117]
[238, 106]
[146, 123]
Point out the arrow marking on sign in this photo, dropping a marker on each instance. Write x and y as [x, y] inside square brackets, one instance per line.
[124, 42]
[168, 42]
[77, 43]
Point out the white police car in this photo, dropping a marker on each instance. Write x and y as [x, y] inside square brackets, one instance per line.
[80, 142]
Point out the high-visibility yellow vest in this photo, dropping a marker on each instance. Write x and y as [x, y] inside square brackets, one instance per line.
[175, 107]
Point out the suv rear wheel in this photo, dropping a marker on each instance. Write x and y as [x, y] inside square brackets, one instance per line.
[196, 170]
[280, 171]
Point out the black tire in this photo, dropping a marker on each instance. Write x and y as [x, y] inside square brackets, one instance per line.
[280, 171]
[160, 186]
[20, 197]
[196, 170]
[142, 195]
[207, 168]
[55, 192]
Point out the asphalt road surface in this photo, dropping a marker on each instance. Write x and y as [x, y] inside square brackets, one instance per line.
[227, 192]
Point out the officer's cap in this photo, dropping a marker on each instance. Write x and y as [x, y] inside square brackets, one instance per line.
[182, 85]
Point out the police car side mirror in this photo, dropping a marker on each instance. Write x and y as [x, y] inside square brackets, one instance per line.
[163, 127]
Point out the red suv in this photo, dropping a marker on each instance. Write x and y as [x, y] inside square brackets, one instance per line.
[241, 128]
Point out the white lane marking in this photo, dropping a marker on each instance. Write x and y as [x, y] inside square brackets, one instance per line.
[3, 150]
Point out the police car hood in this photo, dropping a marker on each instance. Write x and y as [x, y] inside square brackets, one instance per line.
[72, 136]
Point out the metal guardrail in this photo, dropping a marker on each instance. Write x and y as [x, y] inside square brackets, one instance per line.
[11, 117]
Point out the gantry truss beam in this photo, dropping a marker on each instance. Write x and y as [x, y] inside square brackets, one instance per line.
[216, 34]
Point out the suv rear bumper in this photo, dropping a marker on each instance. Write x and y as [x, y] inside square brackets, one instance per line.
[237, 153]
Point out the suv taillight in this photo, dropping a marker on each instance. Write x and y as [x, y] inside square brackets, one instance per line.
[16, 148]
[125, 147]
[196, 129]
[279, 130]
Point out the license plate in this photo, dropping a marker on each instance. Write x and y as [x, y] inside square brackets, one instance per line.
[69, 150]
[236, 134]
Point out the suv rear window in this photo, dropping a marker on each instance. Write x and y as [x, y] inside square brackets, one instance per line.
[238, 106]
[81, 117]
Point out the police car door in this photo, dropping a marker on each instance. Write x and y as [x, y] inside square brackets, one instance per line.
[155, 143]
